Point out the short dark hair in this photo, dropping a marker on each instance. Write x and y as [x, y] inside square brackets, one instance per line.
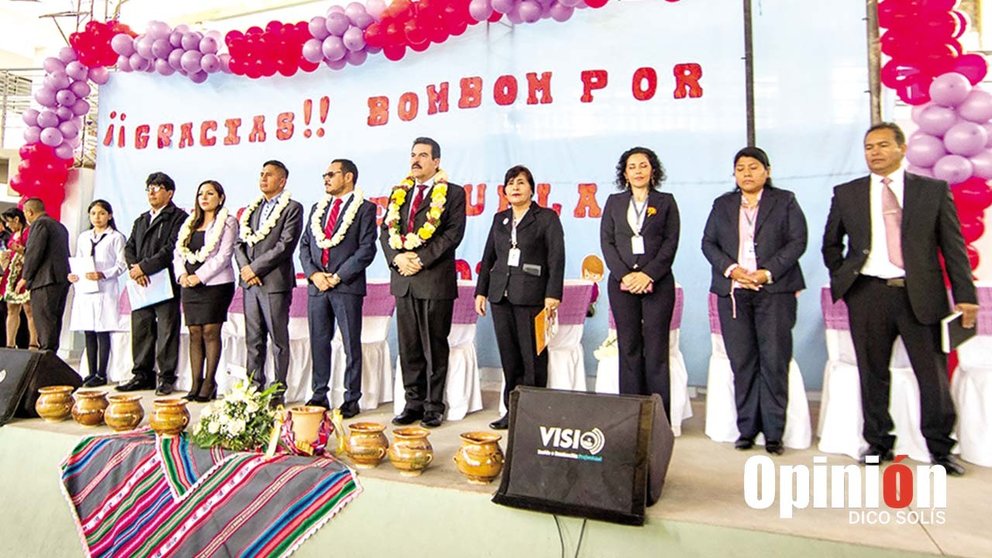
[278, 165]
[896, 131]
[105, 205]
[758, 154]
[435, 148]
[161, 179]
[14, 213]
[515, 171]
[348, 166]
[34, 204]
[657, 170]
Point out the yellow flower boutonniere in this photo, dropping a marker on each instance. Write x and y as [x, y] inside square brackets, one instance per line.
[651, 211]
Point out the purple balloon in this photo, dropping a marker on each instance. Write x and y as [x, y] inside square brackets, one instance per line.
[920, 171]
[158, 30]
[138, 62]
[312, 50]
[190, 61]
[66, 98]
[74, 142]
[191, 40]
[935, 119]
[953, 169]
[949, 89]
[375, 8]
[81, 107]
[69, 129]
[176, 58]
[65, 113]
[209, 45]
[32, 134]
[333, 48]
[335, 9]
[80, 88]
[161, 48]
[529, 10]
[75, 70]
[966, 139]
[570, 3]
[977, 106]
[480, 10]
[182, 28]
[176, 38]
[198, 77]
[982, 164]
[354, 10]
[356, 57]
[514, 16]
[53, 65]
[57, 81]
[337, 24]
[362, 21]
[100, 75]
[225, 63]
[142, 47]
[318, 28]
[122, 44]
[64, 151]
[504, 6]
[354, 39]
[45, 97]
[210, 63]
[336, 64]
[51, 137]
[67, 54]
[30, 117]
[923, 150]
[47, 119]
[124, 63]
[560, 12]
[162, 67]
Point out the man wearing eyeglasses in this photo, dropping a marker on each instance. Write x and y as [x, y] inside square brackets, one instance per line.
[155, 328]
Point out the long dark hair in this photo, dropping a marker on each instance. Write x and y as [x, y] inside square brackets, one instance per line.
[759, 155]
[198, 215]
[15, 213]
[657, 170]
[105, 205]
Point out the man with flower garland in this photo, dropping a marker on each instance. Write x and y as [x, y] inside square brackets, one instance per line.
[424, 224]
[337, 245]
[270, 229]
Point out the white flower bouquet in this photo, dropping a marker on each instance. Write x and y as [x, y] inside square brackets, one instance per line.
[242, 421]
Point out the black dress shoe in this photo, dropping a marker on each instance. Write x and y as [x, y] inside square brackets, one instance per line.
[408, 416]
[949, 463]
[165, 388]
[743, 443]
[319, 402]
[277, 401]
[94, 381]
[774, 448]
[136, 384]
[432, 419]
[349, 409]
[502, 423]
[882, 454]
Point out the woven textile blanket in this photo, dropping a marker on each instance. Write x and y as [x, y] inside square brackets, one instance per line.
[135, 494]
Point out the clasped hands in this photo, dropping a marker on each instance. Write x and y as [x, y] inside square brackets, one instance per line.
[637, 282]
[90, 275]
[189, 280]
[324, 281]
[408, 263]
[139, 276]
[752, 280]
[249, 277]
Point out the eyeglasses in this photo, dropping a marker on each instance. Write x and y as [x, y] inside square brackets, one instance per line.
[330, 175]
[154, 188]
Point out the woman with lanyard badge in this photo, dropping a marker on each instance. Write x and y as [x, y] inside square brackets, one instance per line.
[639, 235]
[94, 307]
[754, 237]
[522, 273]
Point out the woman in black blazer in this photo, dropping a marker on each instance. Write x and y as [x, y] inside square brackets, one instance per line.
[639, 235]
[522, 273]
[754, 237]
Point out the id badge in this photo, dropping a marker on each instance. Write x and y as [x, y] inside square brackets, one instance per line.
[637, 245]
[513, 260]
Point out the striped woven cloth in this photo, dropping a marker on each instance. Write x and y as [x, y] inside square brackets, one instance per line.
[137, 495]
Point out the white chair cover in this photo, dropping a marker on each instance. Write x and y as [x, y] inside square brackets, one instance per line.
[971, 388]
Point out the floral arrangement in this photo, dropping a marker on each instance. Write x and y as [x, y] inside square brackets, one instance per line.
[316, 221]
[251, 237]
[411, 241]
[608, 348]
[651, 211]
[242, 421]
[213, 236]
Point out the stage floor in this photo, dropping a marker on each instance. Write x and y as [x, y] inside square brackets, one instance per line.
[702, 511]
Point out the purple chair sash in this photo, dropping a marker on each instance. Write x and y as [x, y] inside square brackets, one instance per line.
[377, 302]
[574, 304]
[834, 314]
[464, 311]
[714, 314]
[677, 311]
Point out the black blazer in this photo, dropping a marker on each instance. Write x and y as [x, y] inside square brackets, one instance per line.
[541, 273]
[151, 245]
[779, 239]
[930, 227]
[660, 232]
[438, 279]
[350, 257]
[272, 257]
[46, 256]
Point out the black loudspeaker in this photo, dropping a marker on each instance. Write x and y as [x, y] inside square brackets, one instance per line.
[23, 372]
[583, 454]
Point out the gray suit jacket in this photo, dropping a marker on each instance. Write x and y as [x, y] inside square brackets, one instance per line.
[272, 257]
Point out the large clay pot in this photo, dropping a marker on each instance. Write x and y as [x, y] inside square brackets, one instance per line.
[480, 458]
[306, 424]
[89, 407]
[169, 417]
[411, 451]
[54, 403]
[124, 413]
[367, 444]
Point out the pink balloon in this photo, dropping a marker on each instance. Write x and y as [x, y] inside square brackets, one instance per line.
[559, 12]
[333, 48]
[57, 81]
[982, 164]
[210, 63]
[953, 169]
[977, 106]
[336, 64]
[158, 30]
[356, 57]
[161, 48]
[191, 41]
[920, 171]
[53, 65]
[80, 88]
[972, 66]
[67, 54]
[100, 75]
[375, 8]
[45, 97]
[209, 45]
[138, 63]
[529, 10]
[122, 44]
[176, 38]
[318, 27]
[65, 97]
[81, 107]
[480, 10]
[64, 151]
[30, 117]
[32, 134]
[949, 89]
[504, 6]
[64, 113]
[225, 63]
[935, 119]
[143, 48]
[162, 67]
[966, 139]
[198, 77]
[47, 119]
[69, 129]
[190, 61]
[337, 24]
[176, 58]
[353, 39]
[75, 70]
[51, 137]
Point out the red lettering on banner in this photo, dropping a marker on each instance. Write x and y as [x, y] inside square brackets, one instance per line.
[477, 208]
[409, 103]
[437, 98]
[380, 207]
[587, 205]
[232, 125]
[687, 80]
[505, 90]
[503, 202]
[164, 135]
[542, 84]
[120, 132]
[141, 134]
[378, 111]
[185, 135]
[207, 128]
[642, 91]
[284, 126]
[471, 92]
[463, 270]
[591, 81]
[257, 130]
[543, 189]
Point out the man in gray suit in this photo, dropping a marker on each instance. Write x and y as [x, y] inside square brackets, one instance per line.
[46, 272]
[270, 229]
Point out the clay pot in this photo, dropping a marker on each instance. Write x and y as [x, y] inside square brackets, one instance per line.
[306, 423]
[170, 417]
[54, 403]
[89, 407]
[411, 451]
[480, 458]
[367, 444]
[124, 413]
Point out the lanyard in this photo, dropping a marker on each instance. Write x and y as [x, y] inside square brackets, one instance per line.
[639, 215]
[513, 228]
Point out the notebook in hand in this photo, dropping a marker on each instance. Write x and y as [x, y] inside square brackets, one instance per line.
[952, 333]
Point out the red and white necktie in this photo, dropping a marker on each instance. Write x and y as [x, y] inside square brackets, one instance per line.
[332, 220]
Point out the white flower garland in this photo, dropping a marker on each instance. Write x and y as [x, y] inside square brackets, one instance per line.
[317, 219]
[210, 241]
[250, 237]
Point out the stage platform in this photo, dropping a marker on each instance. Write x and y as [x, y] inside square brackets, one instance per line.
[702, 511]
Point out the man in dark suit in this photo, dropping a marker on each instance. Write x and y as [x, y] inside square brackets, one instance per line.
[336, 247]
[420, 248]
[896, 226]
[149, 250]
[270, 230]
[46, 272]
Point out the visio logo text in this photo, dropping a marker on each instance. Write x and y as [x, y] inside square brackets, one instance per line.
[569, 440]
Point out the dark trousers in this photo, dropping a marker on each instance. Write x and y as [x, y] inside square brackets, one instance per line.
[48, 306]
[422, 327]
[97, 352]
[323, 310]
[267, 315]
[878, 315]
[759, 346]
[522, 366]
[643, 323]
[155, 337]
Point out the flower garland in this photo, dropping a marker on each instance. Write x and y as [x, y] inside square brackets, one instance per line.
[210, 241]
[250, 237]
[317, 228]
[411, 241]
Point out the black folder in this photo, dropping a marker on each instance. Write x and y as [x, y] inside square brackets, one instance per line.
[952, 333]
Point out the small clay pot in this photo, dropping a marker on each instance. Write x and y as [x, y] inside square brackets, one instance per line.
[367, 444]
[169, 417]
[124, 413]
[479, 458]
[89, 407]
[54, 403]
[411, 451]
